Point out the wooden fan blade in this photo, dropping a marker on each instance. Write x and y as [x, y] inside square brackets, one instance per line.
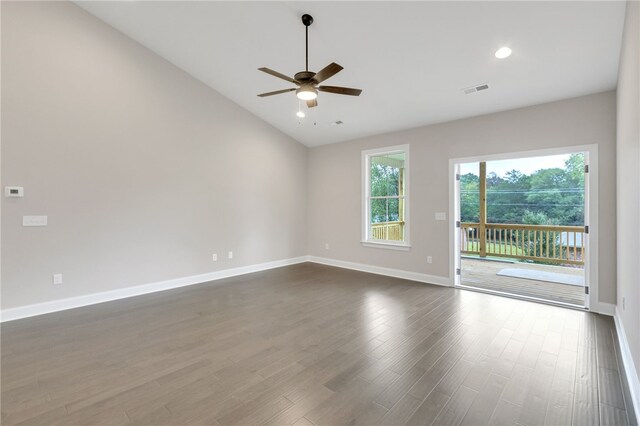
[312, 103]
[277, 92]
[277, 74]
[326, 72]
[340, 90]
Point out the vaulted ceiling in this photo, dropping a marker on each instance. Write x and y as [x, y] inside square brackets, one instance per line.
[412, 59]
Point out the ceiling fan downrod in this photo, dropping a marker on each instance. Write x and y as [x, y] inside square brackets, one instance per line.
[306, 20]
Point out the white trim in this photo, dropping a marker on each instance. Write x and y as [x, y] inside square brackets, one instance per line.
[122, 293]
[365, 189]
[591, 239]
[629, 366]
[455, 260]
[591, 273]
[604, 308]
[379, 270]
[525, 154]
[386, 245]
[522, 297]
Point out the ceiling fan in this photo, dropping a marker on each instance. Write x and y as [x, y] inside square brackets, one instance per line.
[307, 81]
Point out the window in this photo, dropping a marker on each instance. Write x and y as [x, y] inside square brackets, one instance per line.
[386, 203]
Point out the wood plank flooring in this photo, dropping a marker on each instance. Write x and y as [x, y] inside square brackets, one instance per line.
[483, 274]
[312, 345]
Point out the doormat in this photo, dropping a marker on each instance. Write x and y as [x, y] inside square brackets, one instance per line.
[552, 277]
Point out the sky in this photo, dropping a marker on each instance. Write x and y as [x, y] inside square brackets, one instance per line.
[524, 165]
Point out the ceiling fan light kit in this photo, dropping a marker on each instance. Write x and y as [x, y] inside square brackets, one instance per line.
[308, 81]
[307, 93]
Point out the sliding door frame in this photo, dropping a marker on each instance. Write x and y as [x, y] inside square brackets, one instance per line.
[591, 212]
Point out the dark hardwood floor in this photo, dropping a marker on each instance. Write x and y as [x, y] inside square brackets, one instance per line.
[312, 345]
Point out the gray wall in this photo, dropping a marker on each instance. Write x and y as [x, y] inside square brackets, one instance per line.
[628, 188]
[143, 171]
[335, 180]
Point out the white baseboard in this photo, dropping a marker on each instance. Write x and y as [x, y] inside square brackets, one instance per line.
[629, 366]
[106, 296]
[92, 299]
[397, 273]
[604, 309]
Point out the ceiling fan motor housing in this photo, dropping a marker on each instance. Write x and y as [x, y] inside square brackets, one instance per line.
[304, 76]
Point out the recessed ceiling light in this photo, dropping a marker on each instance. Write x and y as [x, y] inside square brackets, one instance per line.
[503, 52]
[300, 114]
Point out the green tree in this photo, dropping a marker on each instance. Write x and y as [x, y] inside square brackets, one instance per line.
[384, 182]
[575, 169]
[507, 198]
[574, 195]
[531, 218]
[469, 198]
[559, 193]
[556, 193]
[546, 191]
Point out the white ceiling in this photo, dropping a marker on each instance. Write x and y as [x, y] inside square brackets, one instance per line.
[412, 59]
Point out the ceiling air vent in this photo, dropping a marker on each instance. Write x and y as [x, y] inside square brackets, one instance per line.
[474, 89]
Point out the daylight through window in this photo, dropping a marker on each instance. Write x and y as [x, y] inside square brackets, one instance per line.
[386, 197]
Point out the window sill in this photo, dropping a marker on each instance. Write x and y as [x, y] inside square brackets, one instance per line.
[388, 246]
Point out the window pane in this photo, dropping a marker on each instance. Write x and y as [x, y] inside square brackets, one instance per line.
[393, 209]
[379, 211]
[387, 175]
[386, 219]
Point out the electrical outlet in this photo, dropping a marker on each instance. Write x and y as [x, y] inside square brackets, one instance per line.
[326, 246]
[230, 255]
[57, 279]
[214, 257]
[429, 259]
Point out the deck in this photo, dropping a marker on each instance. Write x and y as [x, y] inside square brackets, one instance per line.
[482, 274]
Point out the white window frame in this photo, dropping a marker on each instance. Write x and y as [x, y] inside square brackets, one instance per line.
[366, 190]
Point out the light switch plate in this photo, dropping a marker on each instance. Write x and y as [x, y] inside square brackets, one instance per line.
[441, 216]
[34, 220]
